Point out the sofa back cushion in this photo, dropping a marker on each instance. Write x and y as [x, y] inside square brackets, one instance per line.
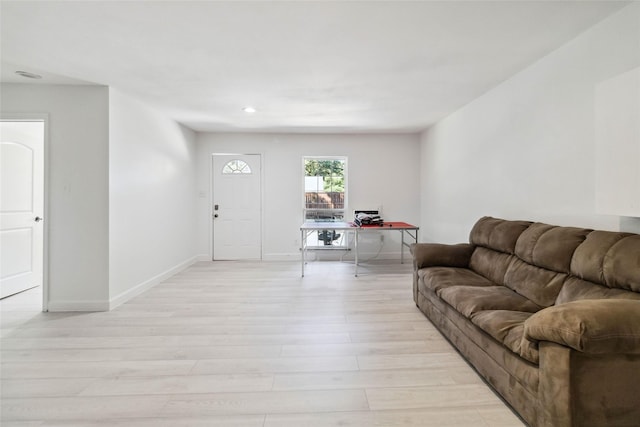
[497, 234]
[490, 264]
[589, 258]
[538, 284]
[575, 289]
[495, 242]
[550, 264]
[622, 264]
[550, 247]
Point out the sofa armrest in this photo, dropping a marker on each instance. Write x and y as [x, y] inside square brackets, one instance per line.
[436, 254]
[598, 326]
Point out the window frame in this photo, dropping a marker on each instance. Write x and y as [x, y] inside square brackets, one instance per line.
[342, 213]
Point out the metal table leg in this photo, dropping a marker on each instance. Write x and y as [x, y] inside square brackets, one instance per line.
[303, 247]
[356, 249]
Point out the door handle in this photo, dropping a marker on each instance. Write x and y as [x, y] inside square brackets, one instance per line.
[215, 215]
[38, 219]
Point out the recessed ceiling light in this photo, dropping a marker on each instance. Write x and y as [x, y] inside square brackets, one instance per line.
[28, 75]
[249, 109]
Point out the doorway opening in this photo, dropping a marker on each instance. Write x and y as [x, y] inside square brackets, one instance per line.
[22, 215]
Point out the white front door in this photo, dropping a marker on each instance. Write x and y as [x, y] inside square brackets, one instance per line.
[21, 205]
[236, 207]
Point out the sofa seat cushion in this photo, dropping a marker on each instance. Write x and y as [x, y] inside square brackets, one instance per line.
[469, 300]
[476, 344]
[436, 278]
[507, 327]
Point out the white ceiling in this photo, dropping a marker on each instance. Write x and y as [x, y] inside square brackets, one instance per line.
[307, 66]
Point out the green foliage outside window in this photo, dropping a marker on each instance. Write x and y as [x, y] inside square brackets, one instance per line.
[331, 170]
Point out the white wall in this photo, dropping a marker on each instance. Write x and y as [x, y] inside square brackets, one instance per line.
[77, 186]
[383, 170]
[152, 201]
[526, 149]
[121, 186]
[618, 145]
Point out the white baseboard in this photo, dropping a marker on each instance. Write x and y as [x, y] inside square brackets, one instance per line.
[62, 306]
[148, 284]
[203, 257]
[383, 255]
[281, 257]
[103, 305]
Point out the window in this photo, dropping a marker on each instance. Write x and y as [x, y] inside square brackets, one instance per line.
[236, 166]
[325, 196]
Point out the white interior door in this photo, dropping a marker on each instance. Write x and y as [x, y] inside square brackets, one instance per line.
[236, 207]
[21, 205]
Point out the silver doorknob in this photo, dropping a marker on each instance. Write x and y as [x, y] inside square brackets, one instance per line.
[38, 219]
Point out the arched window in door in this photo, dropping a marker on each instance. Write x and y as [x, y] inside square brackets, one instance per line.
[236, 166]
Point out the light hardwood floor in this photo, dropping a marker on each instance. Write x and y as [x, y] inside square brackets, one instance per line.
[244, 344]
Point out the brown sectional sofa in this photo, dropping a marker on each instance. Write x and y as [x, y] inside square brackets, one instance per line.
[549, 316]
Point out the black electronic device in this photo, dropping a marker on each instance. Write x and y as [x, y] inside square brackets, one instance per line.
[367, 218]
